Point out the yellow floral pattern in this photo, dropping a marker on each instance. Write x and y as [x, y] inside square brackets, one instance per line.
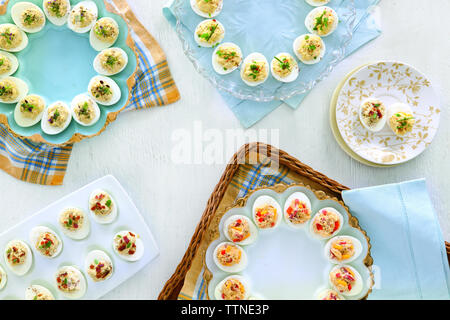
[391, 82]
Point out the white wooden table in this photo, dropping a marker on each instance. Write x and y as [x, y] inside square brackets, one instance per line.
[137, 148]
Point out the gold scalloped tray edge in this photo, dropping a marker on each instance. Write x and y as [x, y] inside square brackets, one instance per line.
[111, 117]
[213, 232]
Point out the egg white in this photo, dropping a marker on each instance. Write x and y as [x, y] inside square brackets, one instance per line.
[267, 200]
[310, 20]
[97, 44]
[55, 20]
[90, 5]
[205, 44]
[203, 14]
[341, 222]
[23, 268]
[256, 56]
[27, 122]
[356, 243]
[24, 42]
[14, 63]
[356, 289]
[45, 125]
[303, 198]
[29, 293]
[37, 231]
[292, 76]
[22, 87]
[103, 219]
[100, 70]
[97, 255]
[16, 13]
[82, 232]
[235, 268]
[117, 94]
[296, 45]
[84, 97]
[83, 285]
[253, 229]
[218, 290]
[380, 125]
[139, 247]
[217, 67]
[4, 278]
[316, 3]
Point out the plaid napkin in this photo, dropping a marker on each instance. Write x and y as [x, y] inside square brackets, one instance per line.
[43, 164]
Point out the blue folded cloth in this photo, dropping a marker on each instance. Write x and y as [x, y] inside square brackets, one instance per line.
[410, 260]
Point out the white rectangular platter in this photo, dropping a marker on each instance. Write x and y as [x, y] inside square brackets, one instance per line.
[74, 251]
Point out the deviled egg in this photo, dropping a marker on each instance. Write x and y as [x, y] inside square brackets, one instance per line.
[12, 89]
[28, 17]
[240, 229]
[326, 223]
[317, 3]
[56, 118]
[8, 64]
[234, 287]
[128, 245]
[309, 48]
[266, 212]
[372, 114]
[209, 33]
[85, 110]
[322, 21]
[104, 90]
[83, 16]
[255, 70]
[346, 280]
[12, 39]
[74, 223]
[230, 257]
[104, 33]
[46, 241]
[329, 294]
[342, 249]
[226, 58]
[102, 206]
[70, 282]
[29, 110]
[207, 9]
[98, 265]
[56, 11]
[3, 278]
[110, 61]
[38, 292]
[18, 257]
[401, 119]
[284, 68]
[297, 210]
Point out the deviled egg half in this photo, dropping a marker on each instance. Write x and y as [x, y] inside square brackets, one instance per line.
[56, 118]
[346, 280]
[74, 223]
[317, 3]
[284, 68]
[70, 282]
[329, 294]
[8, 64]
[104, 33]
[3, 278]
[98, 265]
[233, 287]
[255, 69]
[226, 58]
[230, 257]
[207, 9]
[266, 212]
[29, 110]
[373, 114]
[111, 61]
[12, 39]
[209, 33]
[12, 89]
[102, 206]
[309, 48]
[85, 110]
[297, 210]
[82, 17]
[28, 17]
[104, 90]
[322, 21]
[343, 249]
[38, 292]
[240, 229]
[18, 257]
[401, 119]
[56, 11]
[326, 223]
[46, 241]
[128, 246]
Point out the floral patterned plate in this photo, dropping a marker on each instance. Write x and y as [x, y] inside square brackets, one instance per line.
[391, 82]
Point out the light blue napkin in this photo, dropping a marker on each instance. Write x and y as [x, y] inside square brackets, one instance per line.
[407, 245]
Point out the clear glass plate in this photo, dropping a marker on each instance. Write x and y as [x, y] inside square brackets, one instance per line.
[268, 27]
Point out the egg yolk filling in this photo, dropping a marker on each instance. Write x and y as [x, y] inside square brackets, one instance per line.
[255, 71]
[41, 295]
[72, 220]
[283, 66]
[84, 111]
[310, 48]
[402, 123]
[31, 107]
[343, 279]
[32, 18]
[342, 249]
[47, 244]
[324, 22]
[298, 212]
[56, 8]
[233, 289]
[228, 255]
[106, 31]
[228, 57]
[331, 295]
[16, 254]
[100, 269]
[68, 281]
[57, 116]
[239, 230]
[112, 60]
[266, 216]
[5, 64]
[208, 6]
[102, 91]
[126, 244]
[82, 17]
[326, 223]
[10, 37]
[210, 32]
[101, 204]
[372, 112]
[8, 90]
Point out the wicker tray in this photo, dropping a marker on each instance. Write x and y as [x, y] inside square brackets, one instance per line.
[301, 174]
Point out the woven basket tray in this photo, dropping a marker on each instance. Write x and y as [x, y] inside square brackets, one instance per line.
[302, 174]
